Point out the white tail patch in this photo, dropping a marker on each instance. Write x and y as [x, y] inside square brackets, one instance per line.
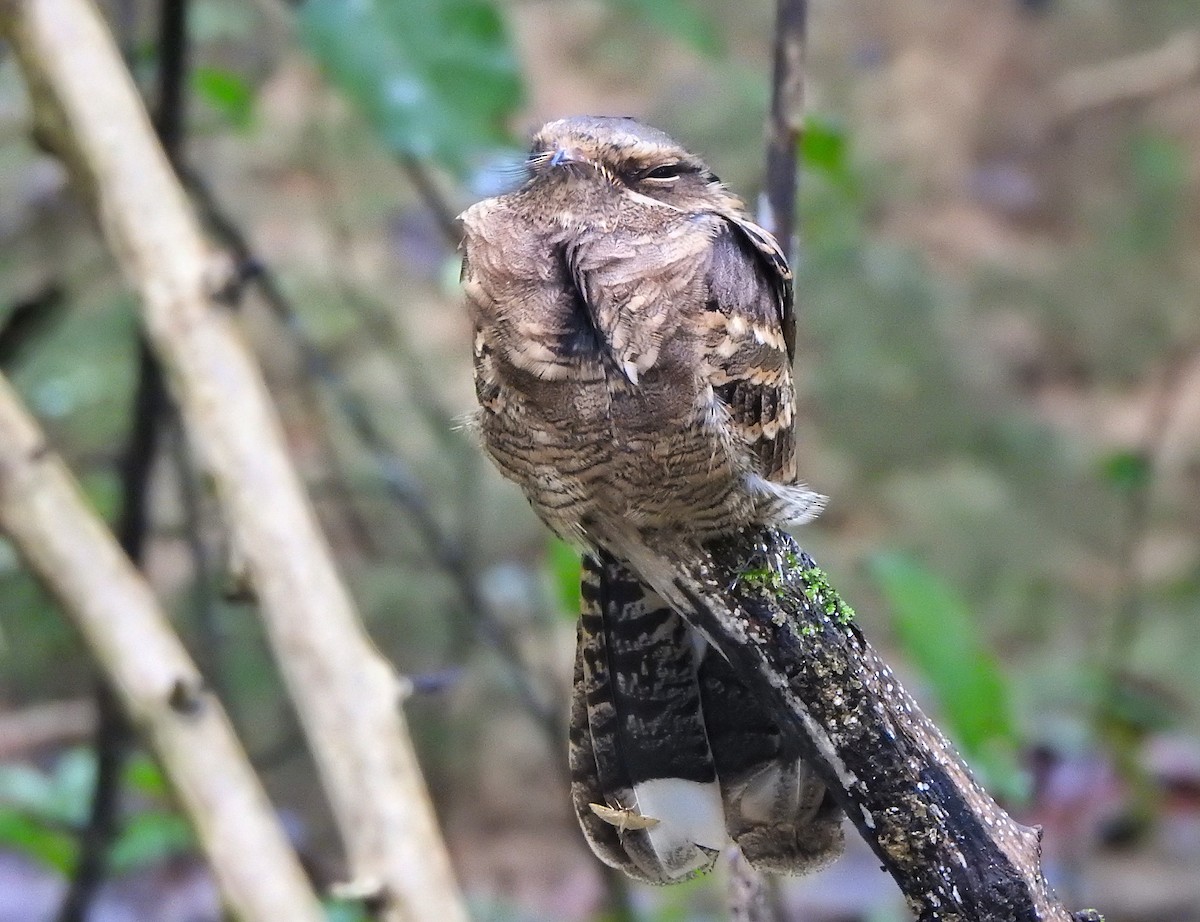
[691, 828]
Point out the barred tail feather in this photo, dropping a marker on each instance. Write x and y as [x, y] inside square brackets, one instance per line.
[784, 504]
[602, 836]
[645, 757]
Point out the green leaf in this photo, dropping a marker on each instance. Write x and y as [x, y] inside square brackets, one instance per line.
[143, 775]
[34, 839]
[149, 837]
[226, 92]
[437, 79]
[1127, 471]
[937, 633]
[823, 146]
[564, 570]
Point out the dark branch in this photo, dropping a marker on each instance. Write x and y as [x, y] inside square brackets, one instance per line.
[786, 121]
[27, 321]
[111, 739]
[954, 852]
[432, 196]
[151, 407]
[170, 115]
[113, 733]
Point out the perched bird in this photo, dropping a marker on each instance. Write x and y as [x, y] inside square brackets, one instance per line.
[633, 346]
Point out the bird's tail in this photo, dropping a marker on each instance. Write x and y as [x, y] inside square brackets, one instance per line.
[670, 753]
[643, 782]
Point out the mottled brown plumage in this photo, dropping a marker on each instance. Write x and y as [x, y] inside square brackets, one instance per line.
[633, 349]
[633, 340]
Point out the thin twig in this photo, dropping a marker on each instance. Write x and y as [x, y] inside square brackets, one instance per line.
[170, 115]
[1168, 394]
[210, 630]
[786, 121]
[111, 742]
[431, 195]
[150, 406]
[27, 321]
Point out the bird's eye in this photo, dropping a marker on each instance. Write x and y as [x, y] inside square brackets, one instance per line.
[666, 171]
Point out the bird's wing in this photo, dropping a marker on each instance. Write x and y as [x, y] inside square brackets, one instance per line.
[774, 263]
[633, 288]
[750, 334]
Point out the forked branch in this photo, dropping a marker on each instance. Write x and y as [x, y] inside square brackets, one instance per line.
[346, 695]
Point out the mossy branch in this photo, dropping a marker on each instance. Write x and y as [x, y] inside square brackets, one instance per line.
[773, 613]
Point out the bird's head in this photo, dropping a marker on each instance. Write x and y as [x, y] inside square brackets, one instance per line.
[627, 156]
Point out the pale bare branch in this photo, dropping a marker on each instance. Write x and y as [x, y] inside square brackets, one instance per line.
[346, 694]
[77, 558]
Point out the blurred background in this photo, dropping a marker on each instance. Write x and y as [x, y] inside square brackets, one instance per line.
[998, 376]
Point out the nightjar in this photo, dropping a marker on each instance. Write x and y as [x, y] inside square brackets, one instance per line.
[633, 347]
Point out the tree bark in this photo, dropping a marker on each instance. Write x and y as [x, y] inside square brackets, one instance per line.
[764, 603]
[347, 696]
[45, 514]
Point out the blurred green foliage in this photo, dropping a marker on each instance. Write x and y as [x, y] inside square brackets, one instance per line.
[1159, 174]
[825, 150]
[1127, 471]
[436, 79]
[686, 21]
[227, 92]
[41, 813]
[939, 636]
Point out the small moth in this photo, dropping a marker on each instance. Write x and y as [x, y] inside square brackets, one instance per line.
[624, 818]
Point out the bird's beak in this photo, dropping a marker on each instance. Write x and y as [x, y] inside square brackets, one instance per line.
[565, 155]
